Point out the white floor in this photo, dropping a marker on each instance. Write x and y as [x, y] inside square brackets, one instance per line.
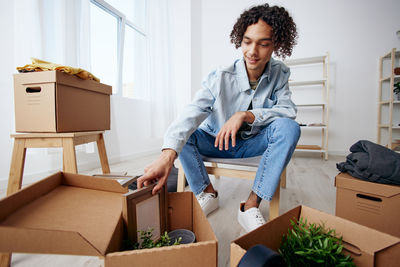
[310, 182]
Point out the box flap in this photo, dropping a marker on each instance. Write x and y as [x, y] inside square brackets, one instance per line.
[180, 212]
[90, 182]
[23, 197]
[26, 240]
[361, 237]
[201, 226]
[93, 210]
[344, 180]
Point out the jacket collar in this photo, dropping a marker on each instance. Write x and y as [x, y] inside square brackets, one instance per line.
[244, 79]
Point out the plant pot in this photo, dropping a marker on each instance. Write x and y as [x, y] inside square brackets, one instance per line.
[186, 235]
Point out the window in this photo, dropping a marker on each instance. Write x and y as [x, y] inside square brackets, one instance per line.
[119, 45]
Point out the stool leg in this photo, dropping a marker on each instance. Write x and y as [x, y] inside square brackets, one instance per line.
[17, 166]
[180, 187]
[103, 154]
[5, 259]
[69, 156]
[283, 179]
[215, 165]
[14, 182]
[274, 204]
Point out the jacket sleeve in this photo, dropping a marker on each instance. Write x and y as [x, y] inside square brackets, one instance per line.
[282, 108]
[192, 115]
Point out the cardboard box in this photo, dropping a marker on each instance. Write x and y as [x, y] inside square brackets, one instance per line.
[82, 215]
[52, 101]
[367, 246]
[371, 204]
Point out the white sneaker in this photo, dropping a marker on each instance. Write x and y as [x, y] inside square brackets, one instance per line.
[208, 202]
[250, 219]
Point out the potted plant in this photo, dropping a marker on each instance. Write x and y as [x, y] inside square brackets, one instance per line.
[396, 91]
[147, 242]
[313, 245]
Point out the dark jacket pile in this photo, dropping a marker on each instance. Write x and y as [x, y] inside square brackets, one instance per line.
[372, 162]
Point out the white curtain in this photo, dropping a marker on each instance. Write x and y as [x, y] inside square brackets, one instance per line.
[161, 62]
[56, 31]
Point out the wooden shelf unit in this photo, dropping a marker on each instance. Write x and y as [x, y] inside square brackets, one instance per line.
[386, 100]
[319, 62]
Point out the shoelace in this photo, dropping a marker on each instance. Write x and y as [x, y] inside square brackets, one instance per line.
[259, 218]
[202, 197]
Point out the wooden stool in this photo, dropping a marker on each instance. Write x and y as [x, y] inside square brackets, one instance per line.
[231, 172]
[67, 141]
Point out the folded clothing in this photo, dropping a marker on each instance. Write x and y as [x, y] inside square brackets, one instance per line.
[372, 162]
[41, 65]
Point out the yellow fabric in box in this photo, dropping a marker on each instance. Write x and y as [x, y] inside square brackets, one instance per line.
[41, 65]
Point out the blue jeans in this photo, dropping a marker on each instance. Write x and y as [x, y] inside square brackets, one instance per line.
[276, 143]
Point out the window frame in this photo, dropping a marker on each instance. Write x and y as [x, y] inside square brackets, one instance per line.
[122, 22]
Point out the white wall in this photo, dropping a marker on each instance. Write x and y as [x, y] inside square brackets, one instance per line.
[131, 132]
[356, 33]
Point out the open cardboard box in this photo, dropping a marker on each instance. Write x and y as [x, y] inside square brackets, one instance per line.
[371, 204]
[82, 215]
[367, 246]
[53, 101]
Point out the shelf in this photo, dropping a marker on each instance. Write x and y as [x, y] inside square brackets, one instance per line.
[387, 79]
[384, 102]
[389, 55]
[316, 127]
[383, 126]
[396, 102]
[308, 85]
[396, 127]
[309, 147]
[311, 105]
[300, 61]
[303, 83]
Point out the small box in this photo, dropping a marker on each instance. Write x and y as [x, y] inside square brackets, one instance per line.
[48, 217]
[371, 204]
[53, 101]
[367, 246]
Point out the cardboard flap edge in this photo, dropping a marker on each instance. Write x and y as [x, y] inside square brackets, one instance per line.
[362, 237]
[45, 241]
[90, 182]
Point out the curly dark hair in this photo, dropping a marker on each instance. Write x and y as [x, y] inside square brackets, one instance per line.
[284, 35]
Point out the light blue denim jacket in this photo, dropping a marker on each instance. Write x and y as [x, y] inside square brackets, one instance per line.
[226, 91]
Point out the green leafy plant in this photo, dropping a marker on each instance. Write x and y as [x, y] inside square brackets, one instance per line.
[312, 245]
[147, 242]
[396, 88]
